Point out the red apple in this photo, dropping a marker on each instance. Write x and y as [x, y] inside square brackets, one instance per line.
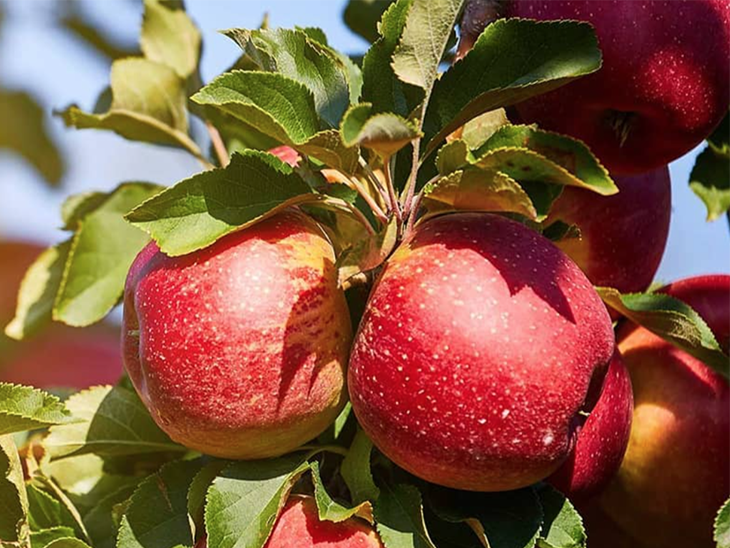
[299, 526]
[239, 349]
[622, 236]
[602, 439]
[676, 472]
[664, 85]
[476, 352]
[60, 356]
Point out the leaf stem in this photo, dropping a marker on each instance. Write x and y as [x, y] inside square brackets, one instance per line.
[416, 205]
[342, 204]
[370, 174]
[396, 208]
[218, 145]
[410, 190]
[365, 195]
[48, 482]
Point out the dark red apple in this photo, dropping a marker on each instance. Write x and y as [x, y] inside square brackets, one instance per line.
[676, 472]
[602, 439]
[476, 352]
[239, 349]
[59, 356]
[623, 236]
[664, 85]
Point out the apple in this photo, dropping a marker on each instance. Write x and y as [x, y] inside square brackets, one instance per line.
[676, 472]
[663, 87]
[602, 439]
[479, 348]
[623, 236]
[239, 350]
[299, 526]
[602, 532]
[59, 356]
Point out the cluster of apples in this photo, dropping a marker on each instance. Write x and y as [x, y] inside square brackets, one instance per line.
[484, 359]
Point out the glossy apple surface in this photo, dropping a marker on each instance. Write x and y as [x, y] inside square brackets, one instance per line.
[663, 87]
[678, 457]
[476, 353]
[602, 439]
[623, 236]
[239, 349]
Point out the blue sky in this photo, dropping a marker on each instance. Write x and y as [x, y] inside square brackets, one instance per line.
[59, 70]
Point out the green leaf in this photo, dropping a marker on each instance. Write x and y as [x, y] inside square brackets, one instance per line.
[384, 133]
[292, 53]
[367, 253]
[198, 491]
[149, 104]
[115, 423]
[329, 510]
[327, 147]
[198, 211]
[513, 60]
[169, 37]
[356, 470]
[363, 16]
[719, 141]
[381, 86]
[710, 181]
[67, 543]
[157, 516]
[428, 28]
[479, 190]
[13, 497]
[722, 526]
[672, 320]
[102, 251]
[530, 154]
[399, 516]
[100, 521]
[24, 131]
[277, 106]
[44, 511]
[43, 538]
[78, 206]
[452, 156]
[477, 131]
[24, 408]
[38, 292]
[511, 519]
[562, 526]
[246, 498]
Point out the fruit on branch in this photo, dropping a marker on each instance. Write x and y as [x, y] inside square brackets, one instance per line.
[479, 348]
[239, 349]
[663, 87]
[676, 472]
[299, 526]
[623, 236]
[59, 356]
[602, 439]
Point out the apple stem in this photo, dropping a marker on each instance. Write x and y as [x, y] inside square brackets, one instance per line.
[621, 123]
[218, 145]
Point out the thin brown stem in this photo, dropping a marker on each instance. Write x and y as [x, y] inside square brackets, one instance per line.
[388, 170]
[218, 145]
[413, 215]
[370, 174]
[410, 190]
[365, 195]
[354, 211]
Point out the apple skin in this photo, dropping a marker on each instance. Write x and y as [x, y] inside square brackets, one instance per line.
[59, 356]
[602, 532]
[623, 237]
[476, 353]
[239, 350]
[299, 526]
[602, 439]
[679, 452]
[673, 80]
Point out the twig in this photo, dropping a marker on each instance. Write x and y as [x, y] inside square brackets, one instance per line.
[218, 145]
[396, 208]
[377, 210]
